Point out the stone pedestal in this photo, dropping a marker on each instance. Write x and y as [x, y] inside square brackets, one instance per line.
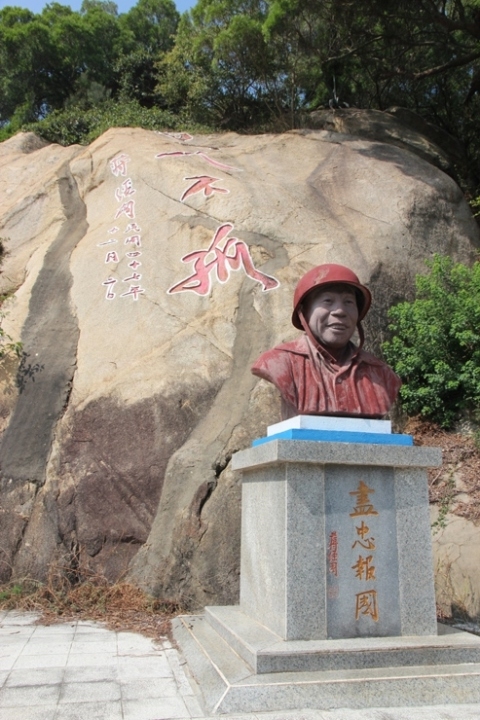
[337, 605]
[336, 539]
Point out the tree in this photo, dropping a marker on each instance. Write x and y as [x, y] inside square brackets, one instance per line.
[420, 54]
[435, 346]
[220, 69]
[152, 25]
[250, 64]
[43, 58]
[22, 51]
[107, 6]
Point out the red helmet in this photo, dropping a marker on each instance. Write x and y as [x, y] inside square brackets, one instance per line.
[330, 274]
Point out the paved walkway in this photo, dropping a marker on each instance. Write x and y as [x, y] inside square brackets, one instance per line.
[81, 671]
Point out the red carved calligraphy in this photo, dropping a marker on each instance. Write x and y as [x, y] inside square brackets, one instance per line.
[128, 209]
[203, 183]
[134, 240]
[227, 255]
[111, 257]
[332, 553]
[204, 156]
[125, 189]
[134, 292]
[133, 227]
[118, 165]
[110, 284]
[123, 193]
[112, 241]
[132, 277]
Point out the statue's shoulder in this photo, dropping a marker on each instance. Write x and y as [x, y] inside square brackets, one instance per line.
[370, 359]
[298, 346]
[379, 366]
[280, 360]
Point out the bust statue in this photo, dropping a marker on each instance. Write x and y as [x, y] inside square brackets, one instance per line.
[323, 372]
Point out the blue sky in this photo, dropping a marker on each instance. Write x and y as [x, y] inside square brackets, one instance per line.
[37, 6]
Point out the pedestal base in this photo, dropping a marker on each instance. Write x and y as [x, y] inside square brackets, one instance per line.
[337, 603]
[240, 666]
[336, 539]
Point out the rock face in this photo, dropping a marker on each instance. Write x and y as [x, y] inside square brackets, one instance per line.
[402, 128]
[147, 272]
[457, 559]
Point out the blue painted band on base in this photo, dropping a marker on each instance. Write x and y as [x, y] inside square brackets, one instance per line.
[338, 436]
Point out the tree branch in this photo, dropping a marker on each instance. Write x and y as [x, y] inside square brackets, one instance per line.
[353, 51]
[452, 25]
[458, 62]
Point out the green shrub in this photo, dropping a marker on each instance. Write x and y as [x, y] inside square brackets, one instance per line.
[79, 125]
[435, 345]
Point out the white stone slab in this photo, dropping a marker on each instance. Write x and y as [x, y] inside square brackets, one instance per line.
[326, 422]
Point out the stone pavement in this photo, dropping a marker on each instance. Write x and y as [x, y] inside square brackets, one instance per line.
[82, 671]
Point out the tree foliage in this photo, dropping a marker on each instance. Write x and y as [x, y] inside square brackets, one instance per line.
[51, 60]
[435, 346]
[219, 69]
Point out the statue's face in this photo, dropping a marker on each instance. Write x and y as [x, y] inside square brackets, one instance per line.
[332, 315]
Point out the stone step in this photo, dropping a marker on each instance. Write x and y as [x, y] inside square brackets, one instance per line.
[210, 660]
[266, 652]
[228, 684]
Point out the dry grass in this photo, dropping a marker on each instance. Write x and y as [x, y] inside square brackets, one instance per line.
[120, 606]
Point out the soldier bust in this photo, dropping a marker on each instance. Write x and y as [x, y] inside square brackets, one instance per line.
[323, 372]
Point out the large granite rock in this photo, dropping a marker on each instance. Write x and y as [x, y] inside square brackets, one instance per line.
[400, 127]
[134, 388]
[456, 547]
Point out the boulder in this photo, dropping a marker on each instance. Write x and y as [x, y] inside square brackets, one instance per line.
[456, 547]
[145, 274]
[400, 127]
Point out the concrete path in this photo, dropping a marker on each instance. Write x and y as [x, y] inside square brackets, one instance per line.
[81, 671]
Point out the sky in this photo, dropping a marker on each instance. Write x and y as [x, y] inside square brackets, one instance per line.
[37, 6]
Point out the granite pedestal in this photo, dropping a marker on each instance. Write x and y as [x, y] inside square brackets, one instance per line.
[337, 605]
[336, 539]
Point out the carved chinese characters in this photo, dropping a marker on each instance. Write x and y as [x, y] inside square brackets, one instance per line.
[224, 254]
[126, 236]
[361, 558]
[211, 264]
[364, 568]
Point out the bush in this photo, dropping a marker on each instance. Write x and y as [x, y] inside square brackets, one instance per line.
[435, 346]
[79, 125]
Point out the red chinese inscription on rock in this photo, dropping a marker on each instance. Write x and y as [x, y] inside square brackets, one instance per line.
[227, 255]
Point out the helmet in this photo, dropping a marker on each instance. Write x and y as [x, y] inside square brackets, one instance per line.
[330, 274]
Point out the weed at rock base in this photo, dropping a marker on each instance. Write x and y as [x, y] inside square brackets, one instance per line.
[121, 606]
